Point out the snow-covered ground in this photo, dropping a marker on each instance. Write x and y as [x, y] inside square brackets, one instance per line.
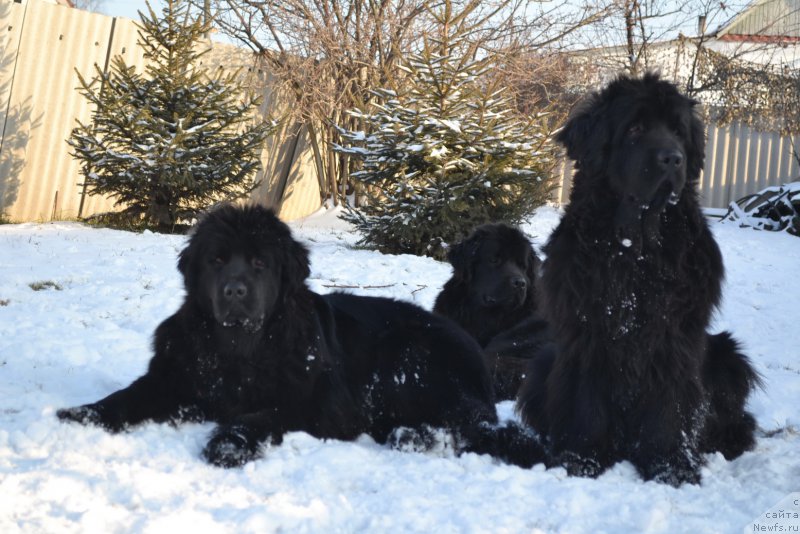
[86, 334]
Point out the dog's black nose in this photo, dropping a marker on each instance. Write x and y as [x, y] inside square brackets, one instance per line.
[519, 282]
[235, 290]
[669, 158]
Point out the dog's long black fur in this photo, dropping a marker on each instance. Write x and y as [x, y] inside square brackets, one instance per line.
[253, 349]
[631, 278]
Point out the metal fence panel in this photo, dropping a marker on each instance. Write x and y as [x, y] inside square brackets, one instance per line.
[13, 138]
[42, 46]
[55, 41]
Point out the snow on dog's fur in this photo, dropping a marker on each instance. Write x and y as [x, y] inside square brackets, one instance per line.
[631, 279]
[253, 349]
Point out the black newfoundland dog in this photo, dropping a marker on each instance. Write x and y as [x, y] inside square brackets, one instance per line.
[253, 349]
[491, 295]
[631, 279]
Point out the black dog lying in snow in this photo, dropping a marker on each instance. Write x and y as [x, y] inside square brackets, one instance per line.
[631, 279]
[491, 295]
[253, 349]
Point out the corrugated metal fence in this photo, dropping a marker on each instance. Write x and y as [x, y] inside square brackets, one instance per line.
[41, 46]
[739, 161]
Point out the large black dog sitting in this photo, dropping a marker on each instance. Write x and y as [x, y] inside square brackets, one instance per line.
[491, 295]
[253, 349]
[631, 279]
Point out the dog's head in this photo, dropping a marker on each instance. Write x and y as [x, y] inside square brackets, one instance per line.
[498, 266]
[240, 263]
[642, 136]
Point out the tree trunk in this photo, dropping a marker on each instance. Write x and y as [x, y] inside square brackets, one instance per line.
[631, 7]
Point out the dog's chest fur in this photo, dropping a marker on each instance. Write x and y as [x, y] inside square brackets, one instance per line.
[642, 299]
[255, 371]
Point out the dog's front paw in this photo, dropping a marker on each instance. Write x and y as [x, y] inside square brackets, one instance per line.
[91, 414]
[677, 476]
[408, 439]
[230, 446]
[677, 473]
[580, 466]
[85, 415]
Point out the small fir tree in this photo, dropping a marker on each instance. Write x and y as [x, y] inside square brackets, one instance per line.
[174, 140]
[447, 154]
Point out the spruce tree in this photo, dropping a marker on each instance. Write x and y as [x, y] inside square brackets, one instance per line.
[173, 140]
[443, 154]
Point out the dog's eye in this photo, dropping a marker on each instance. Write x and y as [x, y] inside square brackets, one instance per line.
[635, 130]
[494, 260]
[218, 260]
[258, 263]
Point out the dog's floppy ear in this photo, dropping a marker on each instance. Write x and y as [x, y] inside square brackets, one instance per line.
[532, 272]
[696, 151]
[205, 225]
[532, 269]
[584, 133]
[295, 267]
[460, 257]
[184, 259]
[575, 134]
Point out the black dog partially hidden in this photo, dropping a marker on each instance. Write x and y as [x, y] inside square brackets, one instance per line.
[491, 295]
[631, 279]
[253, 349]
